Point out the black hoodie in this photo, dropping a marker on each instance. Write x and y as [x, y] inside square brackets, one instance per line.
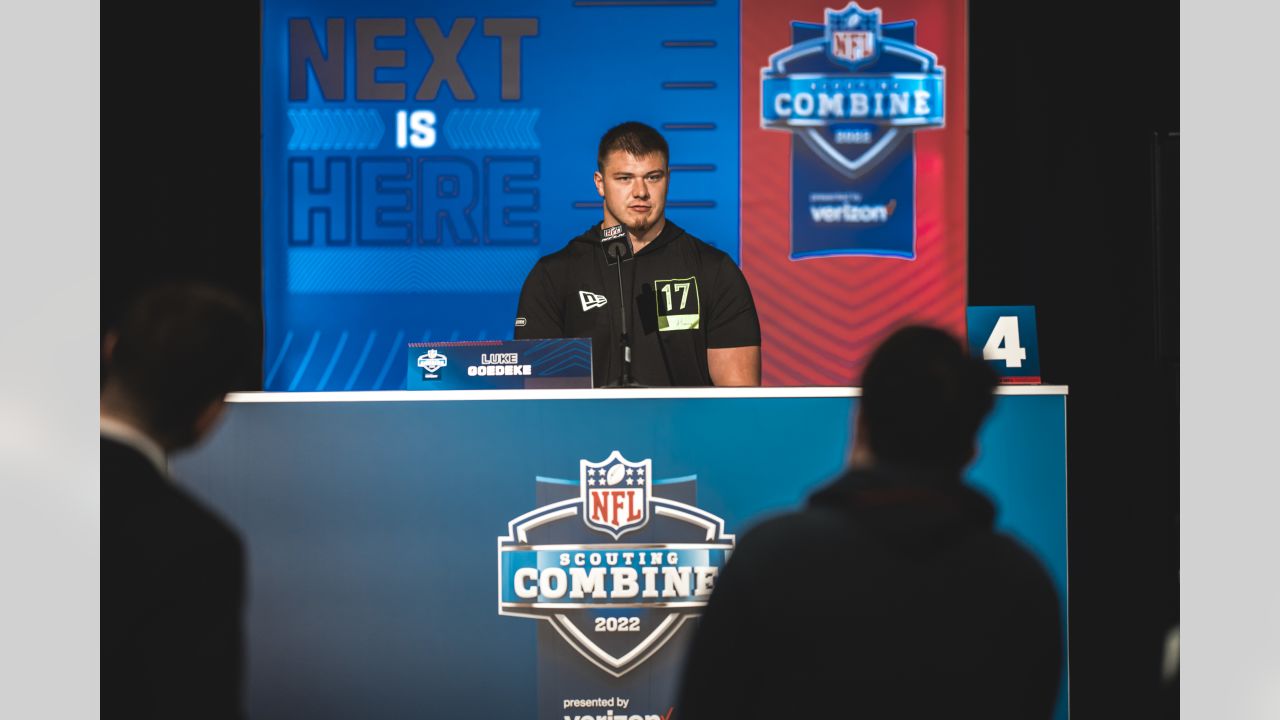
[683, 296]
[889, 595]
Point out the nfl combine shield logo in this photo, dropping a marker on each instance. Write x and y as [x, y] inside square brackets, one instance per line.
[431, 361]
[853, 35]
[616, 602]
[615, 494]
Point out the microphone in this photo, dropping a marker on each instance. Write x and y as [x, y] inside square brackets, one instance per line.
[616, 245]
[617, 248]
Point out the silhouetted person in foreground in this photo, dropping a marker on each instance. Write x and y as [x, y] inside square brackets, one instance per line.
[172, 571]
[889, 595]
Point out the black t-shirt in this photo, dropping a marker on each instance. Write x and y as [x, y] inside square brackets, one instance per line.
[683, 296]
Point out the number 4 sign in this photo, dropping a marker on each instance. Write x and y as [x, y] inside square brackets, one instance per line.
[1005, 336]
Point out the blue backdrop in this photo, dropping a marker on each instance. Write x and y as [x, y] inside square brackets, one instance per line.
[418, 159]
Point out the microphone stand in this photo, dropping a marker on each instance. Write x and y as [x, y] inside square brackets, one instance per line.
[615, 251]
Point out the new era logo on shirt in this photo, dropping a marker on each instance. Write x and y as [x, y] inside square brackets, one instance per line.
[591, 300]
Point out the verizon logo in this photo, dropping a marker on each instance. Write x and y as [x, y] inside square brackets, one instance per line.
[591, 300]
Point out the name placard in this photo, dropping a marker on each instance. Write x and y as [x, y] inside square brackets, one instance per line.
[499, 364]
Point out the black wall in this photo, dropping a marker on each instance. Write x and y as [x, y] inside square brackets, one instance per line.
[181, 148]
[1073, 119]
[1073, 209]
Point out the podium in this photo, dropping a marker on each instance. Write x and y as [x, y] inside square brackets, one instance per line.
[377, 525]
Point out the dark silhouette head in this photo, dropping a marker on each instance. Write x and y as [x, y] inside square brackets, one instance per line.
[923, 400]
[178, 350]
[633, 138]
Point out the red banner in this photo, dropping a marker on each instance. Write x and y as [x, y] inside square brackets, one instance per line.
[822, 314]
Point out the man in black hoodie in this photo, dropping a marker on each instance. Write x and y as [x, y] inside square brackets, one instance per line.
[689, 316]
[889, 594]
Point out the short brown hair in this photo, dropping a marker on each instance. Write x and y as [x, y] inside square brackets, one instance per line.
[923, 399]
[179, 348]
[633, 138]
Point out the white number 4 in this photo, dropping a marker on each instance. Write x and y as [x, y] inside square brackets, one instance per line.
[1003, 343]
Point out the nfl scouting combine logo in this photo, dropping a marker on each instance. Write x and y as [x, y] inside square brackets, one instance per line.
[852, 91]
[616, 561]
[431, 362]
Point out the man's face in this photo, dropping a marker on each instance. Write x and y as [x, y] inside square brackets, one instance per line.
[634, 190]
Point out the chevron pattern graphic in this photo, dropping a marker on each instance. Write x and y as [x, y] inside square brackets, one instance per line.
[505, 129]
[335, 129]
